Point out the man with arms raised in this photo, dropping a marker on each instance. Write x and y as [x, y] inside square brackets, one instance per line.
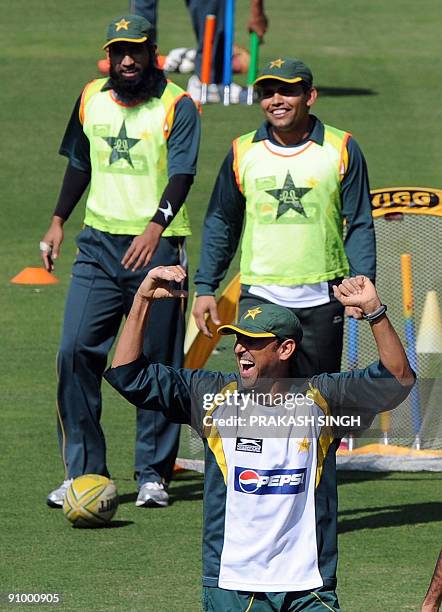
[270, 495]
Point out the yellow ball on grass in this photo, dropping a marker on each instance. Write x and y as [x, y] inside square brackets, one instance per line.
[90, 501]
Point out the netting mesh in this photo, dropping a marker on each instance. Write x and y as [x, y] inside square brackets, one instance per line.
[420, 237]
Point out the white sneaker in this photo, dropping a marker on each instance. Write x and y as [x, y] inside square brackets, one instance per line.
[180, 60]
[56, 497]
[152, 495]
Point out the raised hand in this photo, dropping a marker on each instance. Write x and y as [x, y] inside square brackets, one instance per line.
[158, 283]
[358, 292]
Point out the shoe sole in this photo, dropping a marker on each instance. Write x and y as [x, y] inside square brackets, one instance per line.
[53, 504]
[151, 503]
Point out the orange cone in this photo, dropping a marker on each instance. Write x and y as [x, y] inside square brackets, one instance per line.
[429, 336]
[34, 276]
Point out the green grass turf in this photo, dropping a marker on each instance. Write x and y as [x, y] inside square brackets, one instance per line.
[377, 68]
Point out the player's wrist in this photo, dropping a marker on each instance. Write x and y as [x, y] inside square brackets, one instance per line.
[205, 298]
[370, 305]
[57, 221]
[374, 315]
[257, 7]
[145, 296]
[154, 229]
[202, 290]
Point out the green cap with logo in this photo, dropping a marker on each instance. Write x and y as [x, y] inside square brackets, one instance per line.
[286, 69]
[266, 321]
[128, 28]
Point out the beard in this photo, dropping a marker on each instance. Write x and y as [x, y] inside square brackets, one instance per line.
[141, 88]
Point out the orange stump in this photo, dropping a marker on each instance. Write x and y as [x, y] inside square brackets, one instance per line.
[206, 60]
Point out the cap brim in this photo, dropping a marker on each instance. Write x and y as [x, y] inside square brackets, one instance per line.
[277, 78]
[226, 330]
[134, 40]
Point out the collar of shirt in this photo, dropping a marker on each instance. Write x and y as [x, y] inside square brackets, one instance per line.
[316, 133]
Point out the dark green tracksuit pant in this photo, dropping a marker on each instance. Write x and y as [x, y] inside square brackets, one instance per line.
[100, 295]
[322, 599]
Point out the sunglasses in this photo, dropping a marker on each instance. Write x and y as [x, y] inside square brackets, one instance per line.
[287, 89]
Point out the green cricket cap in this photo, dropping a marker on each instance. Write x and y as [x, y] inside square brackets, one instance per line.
[266, 321]
[286, 69]
[129, 28]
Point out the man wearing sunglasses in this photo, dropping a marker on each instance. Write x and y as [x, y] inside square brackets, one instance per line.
[290, 184]
[270, 495]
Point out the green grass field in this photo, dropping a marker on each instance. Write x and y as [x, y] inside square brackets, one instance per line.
[377, 66]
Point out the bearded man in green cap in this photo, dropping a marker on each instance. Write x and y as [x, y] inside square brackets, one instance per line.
[290, 184]
[270, 494]
[134, 139]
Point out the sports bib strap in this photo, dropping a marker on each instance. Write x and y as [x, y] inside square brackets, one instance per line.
[90, 89]
[170, 98]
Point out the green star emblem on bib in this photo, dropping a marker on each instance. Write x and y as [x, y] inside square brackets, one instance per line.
[120, 145]
[289, 197]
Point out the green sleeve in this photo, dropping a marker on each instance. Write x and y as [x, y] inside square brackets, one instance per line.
[75, 143]
[222, 230]
[184, 139]
[180, 394]
[361, 392]
[360, 244]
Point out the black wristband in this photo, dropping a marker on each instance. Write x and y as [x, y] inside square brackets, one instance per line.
[377, 314]
[172, 199]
